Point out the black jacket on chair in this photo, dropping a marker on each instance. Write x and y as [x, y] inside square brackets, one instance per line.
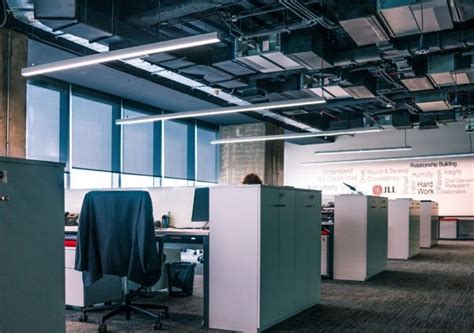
[117, 237]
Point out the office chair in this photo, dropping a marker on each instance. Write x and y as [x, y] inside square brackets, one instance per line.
[117, 237]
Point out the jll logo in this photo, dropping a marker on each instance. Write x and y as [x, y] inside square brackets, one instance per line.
[378, 189]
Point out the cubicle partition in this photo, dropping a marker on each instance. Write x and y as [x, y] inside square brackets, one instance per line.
[265, 255]
[31, 239]
[429, 223]
[403, 228]
[360, 237]
[178, 201]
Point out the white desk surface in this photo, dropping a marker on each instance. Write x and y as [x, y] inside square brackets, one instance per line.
[177, 232]
[161, 232]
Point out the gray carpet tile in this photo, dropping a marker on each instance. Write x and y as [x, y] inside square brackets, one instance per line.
[433, 292]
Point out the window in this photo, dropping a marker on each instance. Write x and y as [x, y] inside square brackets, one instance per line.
[141, 146]
[79, 129]
[179, 150]
[47, 123]
[95, 137]
[92, 179]
[207, 155]
[172, 182]
[137, 181]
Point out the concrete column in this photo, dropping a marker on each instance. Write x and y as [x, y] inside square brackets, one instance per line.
[13, 57]
[262, 158]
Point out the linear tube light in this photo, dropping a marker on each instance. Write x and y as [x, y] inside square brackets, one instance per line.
[292, 136]
[128, 53]
[218, 111]
[362, 150]
[388, 159]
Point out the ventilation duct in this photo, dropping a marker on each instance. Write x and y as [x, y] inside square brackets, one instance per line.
[427, 121]
[91, 20]
[359, 92]
[450, 69]
[417, 84]
[462, 10]
[403, 17]
[329, 92]
[365, 30]
[359, 20]
[401, 120]
[432, 103]
[308, 48]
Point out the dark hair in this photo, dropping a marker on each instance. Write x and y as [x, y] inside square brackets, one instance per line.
[252, 178]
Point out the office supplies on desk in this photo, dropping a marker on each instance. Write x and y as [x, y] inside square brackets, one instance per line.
[165, 220]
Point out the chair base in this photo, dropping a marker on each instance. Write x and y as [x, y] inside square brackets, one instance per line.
[127, 307]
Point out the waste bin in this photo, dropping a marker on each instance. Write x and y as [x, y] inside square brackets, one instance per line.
[180, 278]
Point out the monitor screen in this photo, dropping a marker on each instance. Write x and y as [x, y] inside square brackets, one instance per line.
[201, 205]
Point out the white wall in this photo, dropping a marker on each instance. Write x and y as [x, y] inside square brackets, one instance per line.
[451, 184]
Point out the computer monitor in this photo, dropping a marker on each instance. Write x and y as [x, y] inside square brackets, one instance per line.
[201, 205]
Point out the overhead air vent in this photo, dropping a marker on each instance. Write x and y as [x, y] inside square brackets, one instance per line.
[359, 92]
[448, 69]
[310, 60]
[365, 30]
[432, 103]
[417, 84]
[329, 92]
[282, 60]
[234, 68]
[406, 20]
[259, 63]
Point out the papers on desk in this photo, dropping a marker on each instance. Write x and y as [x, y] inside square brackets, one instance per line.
[71, 228]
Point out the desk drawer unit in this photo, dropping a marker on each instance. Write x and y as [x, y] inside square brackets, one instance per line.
[109, 288]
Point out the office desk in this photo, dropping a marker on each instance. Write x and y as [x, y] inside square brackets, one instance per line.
[178, 239]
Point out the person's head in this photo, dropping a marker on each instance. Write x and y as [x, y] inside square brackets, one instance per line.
[252, 178]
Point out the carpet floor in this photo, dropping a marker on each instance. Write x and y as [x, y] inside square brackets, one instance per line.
[433, 292]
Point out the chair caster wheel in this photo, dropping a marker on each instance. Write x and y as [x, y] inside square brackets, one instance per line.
[83, 318]
[157, 325]
[102, 328]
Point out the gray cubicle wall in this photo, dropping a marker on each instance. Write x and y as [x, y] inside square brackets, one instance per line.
[31, 246]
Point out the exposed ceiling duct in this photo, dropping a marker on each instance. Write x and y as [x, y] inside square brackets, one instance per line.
[365, 30]
[432, 102]
[361, 57]
[417, 84]
[462, 10]
[449, 69]
[406, 20]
